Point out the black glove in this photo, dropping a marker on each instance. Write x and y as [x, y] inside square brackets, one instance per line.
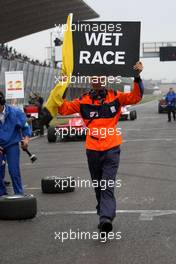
[45, 117]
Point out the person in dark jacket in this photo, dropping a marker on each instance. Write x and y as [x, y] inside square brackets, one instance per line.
[171, 99]
[13, 130]
[37, 100]
[39, 103]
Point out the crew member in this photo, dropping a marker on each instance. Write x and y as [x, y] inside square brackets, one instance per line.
[13, 130]
[101, 108]
[39, 103]
[37, 99]
[170, 100]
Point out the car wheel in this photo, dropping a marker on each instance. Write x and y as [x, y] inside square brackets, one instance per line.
[51, 135]
[54, 184]
[133, 115]
[84, 136]
[18, 207]
[159, 110]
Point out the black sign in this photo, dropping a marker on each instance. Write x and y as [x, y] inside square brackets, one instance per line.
[167, 53]
[105, 48]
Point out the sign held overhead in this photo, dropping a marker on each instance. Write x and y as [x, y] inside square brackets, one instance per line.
[109, 50]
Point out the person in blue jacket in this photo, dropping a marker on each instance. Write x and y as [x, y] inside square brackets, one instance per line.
[171, 100]
[13, 130]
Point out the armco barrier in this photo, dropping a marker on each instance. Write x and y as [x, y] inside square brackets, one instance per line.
[37, 79]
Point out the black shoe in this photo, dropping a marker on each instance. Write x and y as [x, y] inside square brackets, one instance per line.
[106, 226]
[4, 194]
[7, 183]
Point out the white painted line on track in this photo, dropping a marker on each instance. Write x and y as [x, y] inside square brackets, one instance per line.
[31, 164]
[143, 104]
[145, 215]
[27, 188]
[149, 117]
[148, 129]
[32, 138]
[33, 188]
[149, 139]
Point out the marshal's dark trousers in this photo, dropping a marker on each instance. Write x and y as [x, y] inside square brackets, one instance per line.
[103, 166]
[171, 109]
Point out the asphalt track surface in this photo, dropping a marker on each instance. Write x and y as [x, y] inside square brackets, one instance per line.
[146, 201]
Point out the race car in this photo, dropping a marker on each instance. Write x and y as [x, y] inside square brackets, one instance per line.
[72, 129]
[128, 113]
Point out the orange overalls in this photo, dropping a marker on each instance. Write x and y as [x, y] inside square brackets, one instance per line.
[102, 117]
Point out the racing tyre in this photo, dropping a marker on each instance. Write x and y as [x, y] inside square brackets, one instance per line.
[51, 135]
[18, 207]
[56, 184]
[133, 115]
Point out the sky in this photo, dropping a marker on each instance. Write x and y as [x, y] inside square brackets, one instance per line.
[158, 23]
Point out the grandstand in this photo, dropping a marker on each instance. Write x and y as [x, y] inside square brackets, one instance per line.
[20, 18]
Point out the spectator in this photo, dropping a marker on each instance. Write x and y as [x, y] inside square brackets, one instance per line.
[11, 54]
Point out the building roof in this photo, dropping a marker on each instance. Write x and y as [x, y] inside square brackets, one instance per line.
[19, 18]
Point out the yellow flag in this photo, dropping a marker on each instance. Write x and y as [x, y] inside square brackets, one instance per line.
[55, 98]
[67, 49]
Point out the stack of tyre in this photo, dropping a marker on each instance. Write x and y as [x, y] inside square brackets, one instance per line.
[18, 207]
[22, 207]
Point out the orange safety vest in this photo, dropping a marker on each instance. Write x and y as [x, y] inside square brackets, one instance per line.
[101, 116]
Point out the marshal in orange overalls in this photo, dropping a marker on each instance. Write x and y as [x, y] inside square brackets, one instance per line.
[102, 114]
[102, 111]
